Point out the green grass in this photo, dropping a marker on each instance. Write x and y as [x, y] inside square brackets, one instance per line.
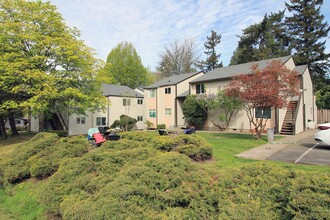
[226, 146]
[20, 202]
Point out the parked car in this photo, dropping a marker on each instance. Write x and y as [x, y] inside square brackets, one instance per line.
[323, 134]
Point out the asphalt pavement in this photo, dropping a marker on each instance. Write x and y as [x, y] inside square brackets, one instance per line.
[300, 148]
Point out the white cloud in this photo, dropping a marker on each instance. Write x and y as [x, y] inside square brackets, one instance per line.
[150, 25]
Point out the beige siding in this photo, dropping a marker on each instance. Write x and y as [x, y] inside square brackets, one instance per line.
[150, 103]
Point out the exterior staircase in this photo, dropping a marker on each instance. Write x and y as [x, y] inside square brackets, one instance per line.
[289, 119]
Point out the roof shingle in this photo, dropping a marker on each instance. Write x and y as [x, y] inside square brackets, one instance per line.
[231, 71]
[172, 80]
[118, 90]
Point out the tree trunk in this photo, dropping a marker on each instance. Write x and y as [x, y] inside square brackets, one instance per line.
[41, 122]
[3, 128]
[12, 124]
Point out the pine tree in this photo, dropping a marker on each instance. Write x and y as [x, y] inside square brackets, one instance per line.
[212, 60]
[308, 33]
[263, 40]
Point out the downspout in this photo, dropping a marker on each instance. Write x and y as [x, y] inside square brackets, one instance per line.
[176, 107]
[156, 106]
[108, 104]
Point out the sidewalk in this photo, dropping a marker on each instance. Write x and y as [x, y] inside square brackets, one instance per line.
[264, 151]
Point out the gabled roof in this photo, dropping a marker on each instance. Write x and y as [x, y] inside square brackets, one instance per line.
[231, 71]
[118, 90]
[301, 69]
[172, 80]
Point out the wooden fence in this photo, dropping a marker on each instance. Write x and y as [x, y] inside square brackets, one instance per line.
[323, 116]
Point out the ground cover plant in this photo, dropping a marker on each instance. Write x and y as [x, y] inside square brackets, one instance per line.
[147, 176]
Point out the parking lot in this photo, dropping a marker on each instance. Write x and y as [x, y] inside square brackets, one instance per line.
[304, 151]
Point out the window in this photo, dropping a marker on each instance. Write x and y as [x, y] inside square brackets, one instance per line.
[126, 102]
[263, 113]
[152, 93]
[152, 113]
[140, 101]
[168, 111]
[81, 120]
[200, 88]
[101, 121]
[139, 118]
[168, 90]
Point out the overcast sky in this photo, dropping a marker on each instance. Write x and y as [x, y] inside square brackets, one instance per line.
[150, 25]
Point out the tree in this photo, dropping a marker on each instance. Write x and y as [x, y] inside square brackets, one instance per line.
[44, 66]
[177, 58]
[264, 40]
[212, 60]
[308, 33]
[264, 90]
[194, 110]
[220, 107]
[124, 66]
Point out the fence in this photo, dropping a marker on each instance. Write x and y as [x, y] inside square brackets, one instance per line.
[323, 116]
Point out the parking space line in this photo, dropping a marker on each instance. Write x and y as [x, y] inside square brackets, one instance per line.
[306, 153]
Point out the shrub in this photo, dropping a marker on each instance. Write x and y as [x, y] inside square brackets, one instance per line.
[163, 143]
[139, 136]
[161, 126]
[60, 133]
[17, 168]
[126, 122]
[197, 153]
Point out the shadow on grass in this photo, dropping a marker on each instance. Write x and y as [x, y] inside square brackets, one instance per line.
[14, 140]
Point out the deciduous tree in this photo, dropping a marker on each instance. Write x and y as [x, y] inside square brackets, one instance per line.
[44, 64]
[177, 58]
[264, 89]
[124, 66]
[220, 107]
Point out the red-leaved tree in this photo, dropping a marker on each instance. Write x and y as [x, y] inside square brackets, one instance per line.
[264, 90]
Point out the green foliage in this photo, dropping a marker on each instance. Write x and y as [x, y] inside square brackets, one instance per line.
[43, 63]
[263, 40]
[308, 32]
[41, 156]
[323, 95]
[263, 191]
[149, 124]
[60, 133]
[194, 110]
[126, 122]
[220, 108]
[125, 68]
[161, 126]
[131, 179]
[212, 57]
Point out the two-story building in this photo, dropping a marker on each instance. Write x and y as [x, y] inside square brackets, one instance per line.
[164, 99]
[291, 120]
[122, 101]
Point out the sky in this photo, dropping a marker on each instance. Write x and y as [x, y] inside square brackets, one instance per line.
[151, 25]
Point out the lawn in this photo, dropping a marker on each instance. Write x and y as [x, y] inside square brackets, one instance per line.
[18, 201]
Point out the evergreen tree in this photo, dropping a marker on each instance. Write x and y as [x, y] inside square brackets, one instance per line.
[308, 33]
[212, 60]
[263, 40]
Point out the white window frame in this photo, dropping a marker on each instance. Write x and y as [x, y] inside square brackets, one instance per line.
[168, 111]
[99, 121]
[152, 93]
[168, 90]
